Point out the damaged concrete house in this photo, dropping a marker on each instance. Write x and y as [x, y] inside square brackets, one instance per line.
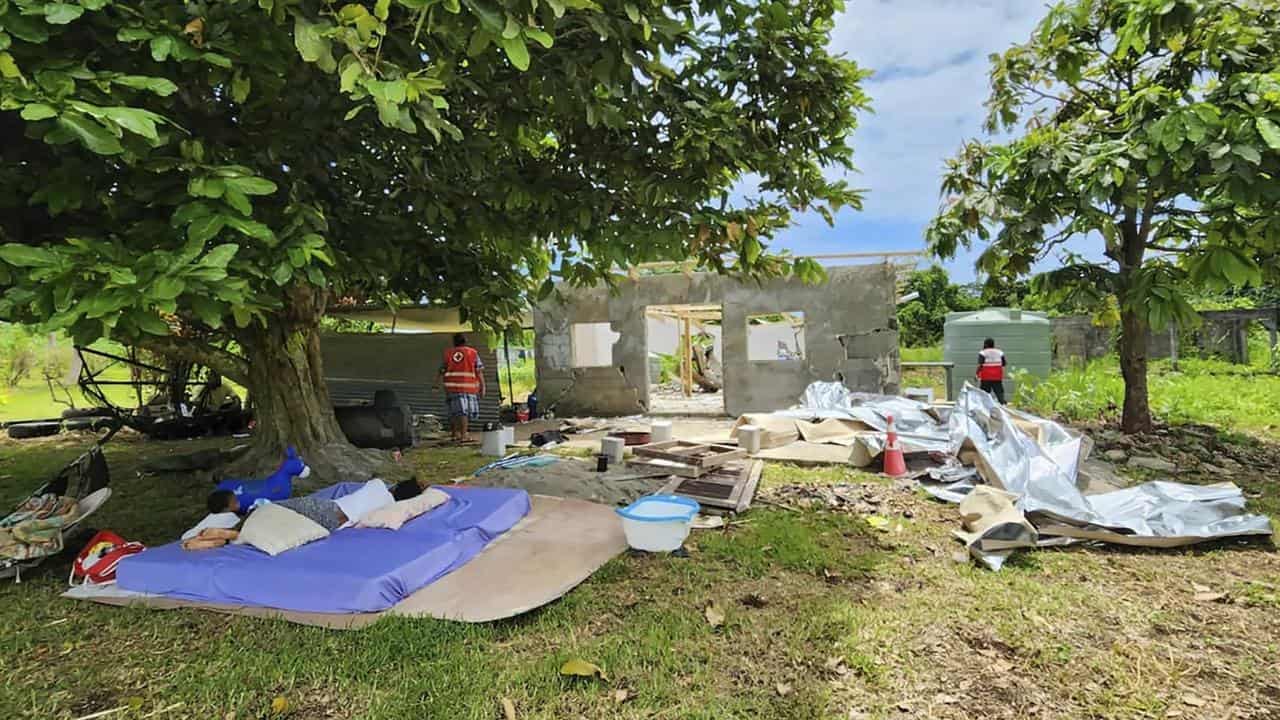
[776, 337]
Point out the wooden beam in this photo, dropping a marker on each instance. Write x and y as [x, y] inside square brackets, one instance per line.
[686, 362]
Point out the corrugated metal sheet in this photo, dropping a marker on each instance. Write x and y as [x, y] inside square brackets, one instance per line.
[355, 366]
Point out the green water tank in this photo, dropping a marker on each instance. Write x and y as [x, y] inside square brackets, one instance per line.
[1025, 337]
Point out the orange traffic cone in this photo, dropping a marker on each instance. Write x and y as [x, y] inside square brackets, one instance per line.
[894, 462]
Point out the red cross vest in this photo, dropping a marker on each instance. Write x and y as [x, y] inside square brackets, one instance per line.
[991, 365]
[460, 364]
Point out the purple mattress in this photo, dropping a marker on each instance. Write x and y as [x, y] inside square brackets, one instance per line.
[352, 570]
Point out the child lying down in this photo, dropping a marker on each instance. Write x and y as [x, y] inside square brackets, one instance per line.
[331, 515]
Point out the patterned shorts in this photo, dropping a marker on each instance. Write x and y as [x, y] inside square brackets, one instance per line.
[461, 404]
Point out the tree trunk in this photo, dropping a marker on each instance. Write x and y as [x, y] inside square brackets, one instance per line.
[1136, 417]
[292, 408]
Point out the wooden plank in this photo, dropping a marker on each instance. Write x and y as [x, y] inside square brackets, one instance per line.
[665, 467]
[728, 489]
[697, 454]
[754, 470]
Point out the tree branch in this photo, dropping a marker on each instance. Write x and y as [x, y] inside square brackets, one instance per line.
[222, 361]
[1161, 248]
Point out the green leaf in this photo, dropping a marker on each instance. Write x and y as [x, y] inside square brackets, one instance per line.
[26, 28]
[539, 36]
[252, 228]
[93, 136]
[241, 316]
[240, 84]
[167, 288]
[203, 186]
[95, 5]
[219, 256]
[208, 310]
[557, 8]
[633, 13]
[511, 29]
[26, 255]
[350, 74]
[134, 34]
[1270, 132]
[161, 47]
[203, 229]
[516, 51]
[5, 40]
[1248, 152]
[38, 111]
[490, 19]
[282, 273]
[238, 200]
[311, 46]
[158, 85]
[61, 13]
[8, 68]
[381, 9]
[251, 185]
[217, 59]
[149, 323]
[480, 41]
[141, 122]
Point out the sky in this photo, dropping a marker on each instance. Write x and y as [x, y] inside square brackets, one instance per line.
[927, 93]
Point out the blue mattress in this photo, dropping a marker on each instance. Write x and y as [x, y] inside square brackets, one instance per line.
[352, 571]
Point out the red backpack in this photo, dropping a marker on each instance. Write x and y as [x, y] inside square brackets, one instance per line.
[96, 563]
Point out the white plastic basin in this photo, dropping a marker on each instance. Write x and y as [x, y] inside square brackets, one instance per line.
[658, 523]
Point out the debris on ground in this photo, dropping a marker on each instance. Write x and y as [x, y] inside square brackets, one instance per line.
[571, 477]
[1029, 468]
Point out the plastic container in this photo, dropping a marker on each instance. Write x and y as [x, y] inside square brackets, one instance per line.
[658, 523]
[1025, 337]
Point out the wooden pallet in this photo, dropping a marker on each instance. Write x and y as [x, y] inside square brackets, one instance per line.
[726, 489]
[700, 455]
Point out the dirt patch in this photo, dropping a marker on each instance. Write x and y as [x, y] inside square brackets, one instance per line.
[571, 477]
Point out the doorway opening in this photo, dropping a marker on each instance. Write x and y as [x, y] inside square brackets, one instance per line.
[685, 345]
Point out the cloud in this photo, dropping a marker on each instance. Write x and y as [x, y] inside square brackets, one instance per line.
[930, 59]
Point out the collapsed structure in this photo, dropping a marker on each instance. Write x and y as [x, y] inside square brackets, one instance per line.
[593, 352]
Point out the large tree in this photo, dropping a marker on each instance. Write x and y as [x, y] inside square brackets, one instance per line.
[203, 178]
[1153, 125]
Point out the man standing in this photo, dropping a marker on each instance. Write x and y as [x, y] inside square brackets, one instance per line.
[463, 374]
[991, 364]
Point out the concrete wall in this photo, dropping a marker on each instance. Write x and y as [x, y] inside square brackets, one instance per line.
[850, 334]
[1221, 333]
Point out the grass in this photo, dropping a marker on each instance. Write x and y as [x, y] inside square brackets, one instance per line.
[1233, 397]
[927, 378]
[523, 380]
[824, 617]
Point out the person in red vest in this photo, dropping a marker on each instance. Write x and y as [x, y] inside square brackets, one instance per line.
[991, 364]
[463, 375]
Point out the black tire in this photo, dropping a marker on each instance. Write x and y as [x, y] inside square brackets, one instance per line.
[70, 413]
[25, 431]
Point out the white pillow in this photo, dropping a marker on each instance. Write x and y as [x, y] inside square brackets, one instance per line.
[274, 528]
[372, 496]
[398, 513]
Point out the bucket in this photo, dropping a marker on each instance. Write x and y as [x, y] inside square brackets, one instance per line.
[491, 443]
[658, 523]
[508, 435]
